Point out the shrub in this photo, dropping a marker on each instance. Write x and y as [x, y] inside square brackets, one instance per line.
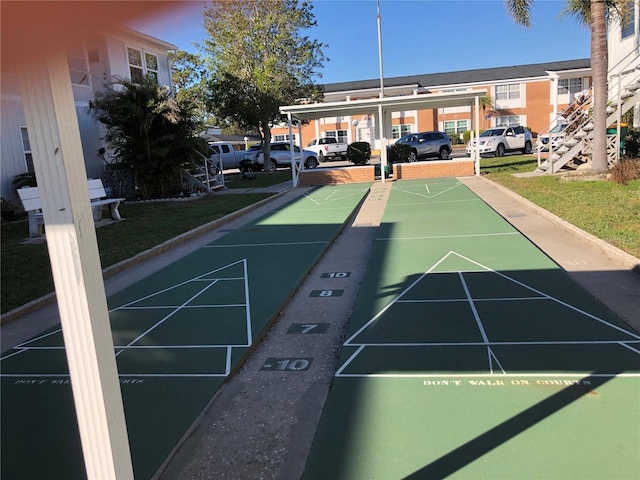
[27, 179]
[626, 170]
[632, 143]
[359, 153]
[398, 152]
[455, 138]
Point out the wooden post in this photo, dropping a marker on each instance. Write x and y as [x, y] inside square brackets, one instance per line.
[52, 123]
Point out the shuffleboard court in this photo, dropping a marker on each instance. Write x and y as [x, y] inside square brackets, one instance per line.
[470, 354]
[177, 334]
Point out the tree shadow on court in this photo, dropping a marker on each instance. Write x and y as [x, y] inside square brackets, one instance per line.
[477, 447]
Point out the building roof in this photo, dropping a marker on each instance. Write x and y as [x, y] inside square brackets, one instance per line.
[482, 75]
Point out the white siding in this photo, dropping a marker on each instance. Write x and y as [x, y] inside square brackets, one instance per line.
[11, 152]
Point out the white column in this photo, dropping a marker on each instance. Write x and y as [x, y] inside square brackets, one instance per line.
[383, 141]
[294, 168]
[45, 87]
[476, 151]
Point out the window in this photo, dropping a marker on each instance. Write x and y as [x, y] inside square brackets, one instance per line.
[26, 149]
[151, 62]
[285, 138]
[507, 120]
[400, 130]
[570, 86]
[139, 68]
[456, 126]
[629, 27]
[78, 67]
[341, 135]
[217, 149]
[508, 92]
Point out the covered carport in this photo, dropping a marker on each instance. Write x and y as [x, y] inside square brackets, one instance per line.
[381, 109]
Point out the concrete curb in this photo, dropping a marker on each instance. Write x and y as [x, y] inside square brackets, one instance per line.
[142, 256]
[616, 255]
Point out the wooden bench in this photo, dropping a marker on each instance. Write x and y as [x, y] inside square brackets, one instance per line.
[30, 198]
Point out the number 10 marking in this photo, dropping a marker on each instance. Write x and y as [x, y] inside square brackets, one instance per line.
[335, 275]
[287, 364]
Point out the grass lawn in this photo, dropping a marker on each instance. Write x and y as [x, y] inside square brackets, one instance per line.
[605, 209]
[262, 179]
[26, 273]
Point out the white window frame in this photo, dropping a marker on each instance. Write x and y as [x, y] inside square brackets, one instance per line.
[629, 28]
[569, 86]
[459, 126]
[144, 67]
[400, 130]
[341, 135]
[507, 120]
[26, 150]
[284, 137]
[511, 92]
[78, 62]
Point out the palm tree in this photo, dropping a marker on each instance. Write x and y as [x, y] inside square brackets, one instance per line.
[485, 102]
[149, 131]
[593, 13]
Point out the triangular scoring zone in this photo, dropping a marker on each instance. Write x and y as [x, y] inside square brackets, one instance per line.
[458, 261]
[428, 192]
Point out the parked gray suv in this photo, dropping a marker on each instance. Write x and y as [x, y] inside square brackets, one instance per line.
[427, 144]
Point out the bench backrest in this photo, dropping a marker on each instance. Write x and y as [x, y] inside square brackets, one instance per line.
[30, 197]
[96, 189]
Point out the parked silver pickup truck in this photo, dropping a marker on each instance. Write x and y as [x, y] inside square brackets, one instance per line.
[224, 152]
[327, 148]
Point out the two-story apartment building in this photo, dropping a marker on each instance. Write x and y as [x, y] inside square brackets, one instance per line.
[92, 65]
[529, 95]
[532, 95]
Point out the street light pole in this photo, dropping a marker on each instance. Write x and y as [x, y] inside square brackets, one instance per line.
[380, 52]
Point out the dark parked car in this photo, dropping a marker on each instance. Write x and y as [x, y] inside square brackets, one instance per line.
[427, 144]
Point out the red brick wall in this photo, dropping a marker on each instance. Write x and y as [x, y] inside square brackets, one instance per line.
[433, 169]
[326, 176]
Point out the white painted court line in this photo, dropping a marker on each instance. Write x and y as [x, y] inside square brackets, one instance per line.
[492, 357]
[451, 300]
[429, 194]
[409, 204]
[283, 244]
[157, 324]
[490, 375]
[345, 194]
[438, 237]
[121, 375]
[476, 316]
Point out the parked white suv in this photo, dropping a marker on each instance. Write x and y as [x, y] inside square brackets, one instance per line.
[557, 135]
[498, 140]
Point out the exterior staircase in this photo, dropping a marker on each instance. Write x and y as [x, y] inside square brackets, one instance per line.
[204, 176]
[576, 141]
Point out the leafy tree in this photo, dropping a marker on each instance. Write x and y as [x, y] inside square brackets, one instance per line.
[258, 59]
[594, 13]
[149, 131]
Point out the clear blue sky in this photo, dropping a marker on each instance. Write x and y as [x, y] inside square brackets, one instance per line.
[419, 36]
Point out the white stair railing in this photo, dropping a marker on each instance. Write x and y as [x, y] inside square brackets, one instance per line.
[624, 94]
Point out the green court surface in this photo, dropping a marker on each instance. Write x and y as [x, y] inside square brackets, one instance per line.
[177, 334]
[470, 354]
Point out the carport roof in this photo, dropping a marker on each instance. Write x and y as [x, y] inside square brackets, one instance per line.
[370, 106]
